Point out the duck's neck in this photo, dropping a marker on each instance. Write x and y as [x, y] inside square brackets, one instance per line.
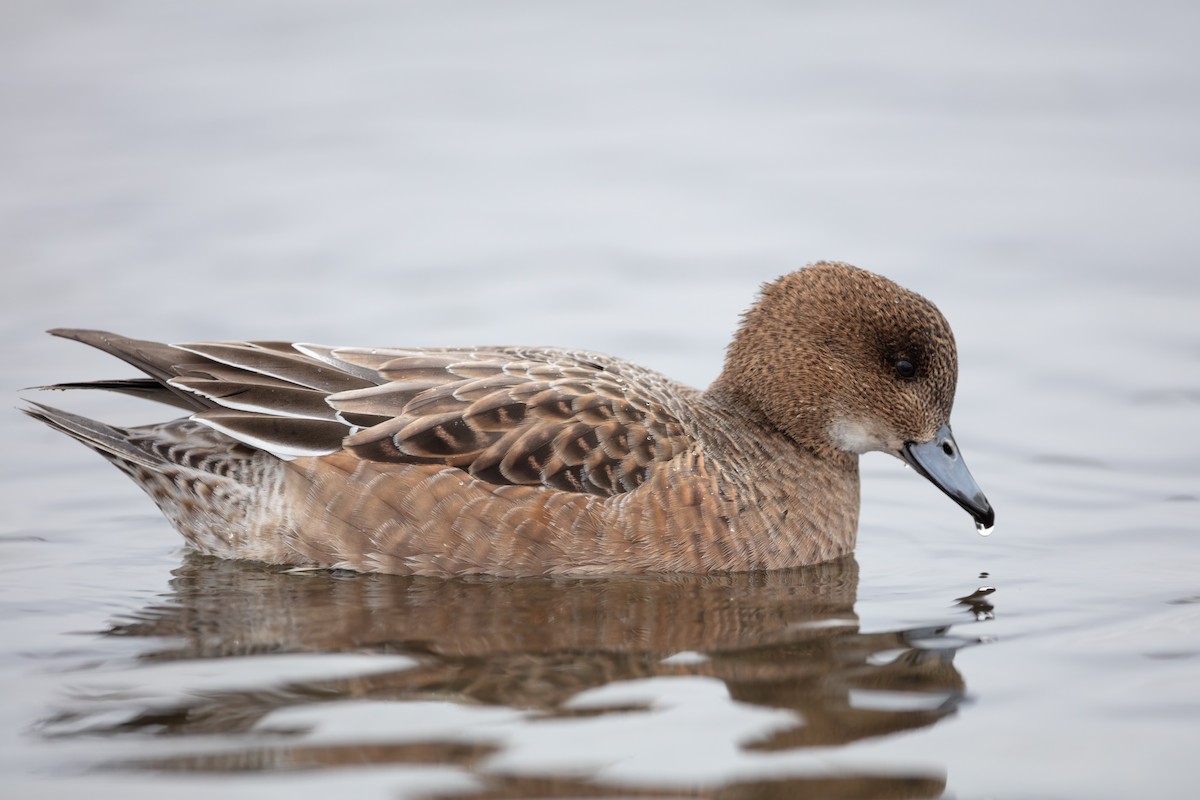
[729, 405]
[800, 502]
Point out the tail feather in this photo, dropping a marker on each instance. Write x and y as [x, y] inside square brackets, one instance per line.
[220, 494]
[109, 441]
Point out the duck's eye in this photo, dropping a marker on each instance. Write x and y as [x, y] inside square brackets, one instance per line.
[905, 369]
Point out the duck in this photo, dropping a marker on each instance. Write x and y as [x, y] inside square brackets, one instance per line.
[539, 461]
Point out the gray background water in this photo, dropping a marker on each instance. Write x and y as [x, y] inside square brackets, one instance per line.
[618, 176]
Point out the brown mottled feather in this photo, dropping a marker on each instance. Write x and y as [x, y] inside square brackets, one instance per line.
[574, 422]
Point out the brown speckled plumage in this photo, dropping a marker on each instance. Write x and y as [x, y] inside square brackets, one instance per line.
[527, 461]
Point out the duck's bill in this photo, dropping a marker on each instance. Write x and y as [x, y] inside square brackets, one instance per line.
[940, 461]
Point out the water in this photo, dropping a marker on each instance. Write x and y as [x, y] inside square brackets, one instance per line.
[619, 177]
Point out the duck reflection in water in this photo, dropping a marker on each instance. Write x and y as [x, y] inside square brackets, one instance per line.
[779, 640]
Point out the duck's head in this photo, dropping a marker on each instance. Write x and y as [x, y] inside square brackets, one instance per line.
[844, 362]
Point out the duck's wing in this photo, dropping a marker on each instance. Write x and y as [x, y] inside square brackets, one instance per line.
[569, 420]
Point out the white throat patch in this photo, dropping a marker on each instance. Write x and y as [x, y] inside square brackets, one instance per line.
[855, 436]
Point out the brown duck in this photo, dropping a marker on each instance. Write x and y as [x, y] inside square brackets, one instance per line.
[523, 461]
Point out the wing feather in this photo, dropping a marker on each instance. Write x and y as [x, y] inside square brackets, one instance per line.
[260, 397]
[511, 417]
[286, 437]
[265, 359]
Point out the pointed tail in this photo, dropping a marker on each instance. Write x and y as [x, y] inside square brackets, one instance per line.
[109, 441]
